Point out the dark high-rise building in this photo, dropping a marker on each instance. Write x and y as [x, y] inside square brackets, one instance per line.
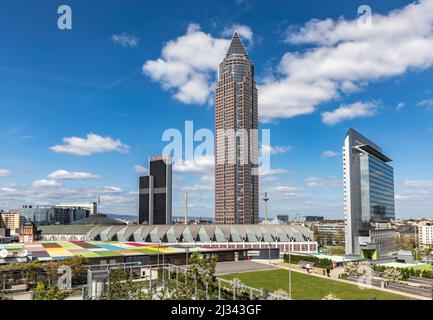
[155, 192]
[236, 149]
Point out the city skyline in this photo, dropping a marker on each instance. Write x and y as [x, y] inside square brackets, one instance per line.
[84, 125]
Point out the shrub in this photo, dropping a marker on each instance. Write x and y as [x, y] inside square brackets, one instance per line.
[343, 276]
[318, 263]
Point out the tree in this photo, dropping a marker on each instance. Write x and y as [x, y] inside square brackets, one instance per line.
[357, 269]
[50, 269]
[4, 297]
[77, 264]
[194, 283]
[50, 293]
[279, 294]
[330, 297]
[392, 275]
[120, 286]
[238, 287]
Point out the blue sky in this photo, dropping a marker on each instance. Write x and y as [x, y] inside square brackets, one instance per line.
[127, 71]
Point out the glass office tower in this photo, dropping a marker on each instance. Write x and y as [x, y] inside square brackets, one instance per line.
[368, 197]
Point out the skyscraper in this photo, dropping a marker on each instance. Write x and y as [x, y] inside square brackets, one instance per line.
[155, 192]
[368, 197]
[236, 144]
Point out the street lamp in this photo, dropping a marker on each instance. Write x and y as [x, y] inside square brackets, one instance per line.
[269, 252]
[290, 271]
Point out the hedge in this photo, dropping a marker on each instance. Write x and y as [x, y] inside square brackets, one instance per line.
[318, 263]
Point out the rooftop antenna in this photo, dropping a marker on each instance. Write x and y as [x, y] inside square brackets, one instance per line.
[266, 199]
[99, 203]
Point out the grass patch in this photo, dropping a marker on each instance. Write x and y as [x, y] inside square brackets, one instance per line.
[306, 287]
[422, 267]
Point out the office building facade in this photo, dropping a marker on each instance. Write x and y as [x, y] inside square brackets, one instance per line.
[425, 234]
[155, 192]
[11, 221]
[368, 197]
[46, 215]
[236, 145]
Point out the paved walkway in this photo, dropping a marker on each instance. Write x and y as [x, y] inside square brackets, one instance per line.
[241, 266]
[285, 266]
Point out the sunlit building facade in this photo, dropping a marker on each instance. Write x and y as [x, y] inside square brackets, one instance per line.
[236, 151]
[368, 197]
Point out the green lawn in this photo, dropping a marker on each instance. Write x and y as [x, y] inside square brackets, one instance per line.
[422, 267]
[306, 287]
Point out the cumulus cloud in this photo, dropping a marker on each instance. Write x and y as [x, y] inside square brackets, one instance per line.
[341, 57]
[92, 144]
[400, 106]
[203, 164]
[125, 40]
[419, 183]
[348, 112]
[267, 149]
[316, 182]
[140, 169]
[244, 32]
[271, 172]
[46, 192]
[188, 64]
[329, 154]
[43, 183]
[66, 175]
[428, 103]
[5, 173]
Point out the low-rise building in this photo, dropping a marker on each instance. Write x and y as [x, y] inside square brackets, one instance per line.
[287, 238]
[28, 233]
[329, 232]
[11, 221]
[425, 234]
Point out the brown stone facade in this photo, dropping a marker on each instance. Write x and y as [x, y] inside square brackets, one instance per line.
[236, 145]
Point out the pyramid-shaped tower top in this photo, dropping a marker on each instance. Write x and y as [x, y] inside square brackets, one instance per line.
[236, 46]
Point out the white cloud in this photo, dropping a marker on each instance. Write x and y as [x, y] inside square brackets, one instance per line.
[140, 169]
[46, 192]
[125, 40]
[329, 154]
[203, 164]
[188, 65]
[90, 145]
[348, 112]
[426, 103]
[341, 57]
[244, 32]
[66, 175]
[271, 172]
[5, 173]
[43, 183]
[400, 106]
[315, 182]
[275, 149]
[419, 183]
